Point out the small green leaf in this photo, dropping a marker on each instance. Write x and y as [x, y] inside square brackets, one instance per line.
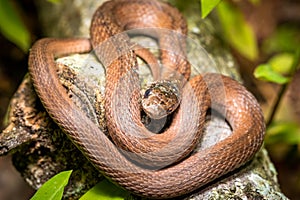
[207, 6]
[237, 31]
[266, 73]
[53, 189]
[12, 27]
[282, 63]
[105, 190]
[287, 132]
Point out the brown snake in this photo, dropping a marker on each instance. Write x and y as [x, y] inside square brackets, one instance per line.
[122, 104]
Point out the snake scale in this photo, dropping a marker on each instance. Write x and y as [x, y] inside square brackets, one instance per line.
[147, 164]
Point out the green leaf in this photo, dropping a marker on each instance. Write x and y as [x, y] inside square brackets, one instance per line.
[105, 190]
[237, 31]
[207, 6]
[12, 27]
[282, 63]
[266, 73]
[286, 132]
[53, 189]
[277, 66]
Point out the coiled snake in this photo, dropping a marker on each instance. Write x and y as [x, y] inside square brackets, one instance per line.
[138, 160]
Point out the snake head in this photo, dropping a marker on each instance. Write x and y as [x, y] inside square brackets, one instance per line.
[160, 99]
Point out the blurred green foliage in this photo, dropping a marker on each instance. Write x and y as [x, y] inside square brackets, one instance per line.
[284, 45]
[237, 32]
[283, 132]
[54, 1]
[12, 27]
[286, 38]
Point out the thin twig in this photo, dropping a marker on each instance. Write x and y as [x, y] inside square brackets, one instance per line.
[277, 103]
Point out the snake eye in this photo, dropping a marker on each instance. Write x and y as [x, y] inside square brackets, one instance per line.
[147, 93]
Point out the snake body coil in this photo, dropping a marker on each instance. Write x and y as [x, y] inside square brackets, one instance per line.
[148, 175]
